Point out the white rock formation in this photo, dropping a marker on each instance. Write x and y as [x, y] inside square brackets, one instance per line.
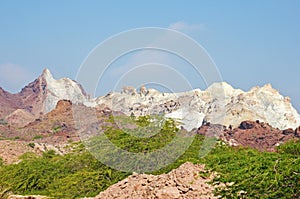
[63, 89]
[219, 103]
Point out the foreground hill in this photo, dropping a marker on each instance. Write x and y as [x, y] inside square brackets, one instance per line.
[187, 181]
[247, 173]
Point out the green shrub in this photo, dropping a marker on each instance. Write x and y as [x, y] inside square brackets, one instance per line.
[31, 144]
[37, 137]
[56, 129]
[291, 147]
[69, 176]
[49, 154]
[79, 174]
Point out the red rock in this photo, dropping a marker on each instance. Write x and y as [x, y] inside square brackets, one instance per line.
[258, 135]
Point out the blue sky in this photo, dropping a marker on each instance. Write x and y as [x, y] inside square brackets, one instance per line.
[253, 42]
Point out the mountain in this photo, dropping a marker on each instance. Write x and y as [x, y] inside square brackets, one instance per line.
[42, 95]
[39, 97]
[220, 104]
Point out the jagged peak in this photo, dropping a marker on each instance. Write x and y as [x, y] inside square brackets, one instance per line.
[266, 88]
[47, 74]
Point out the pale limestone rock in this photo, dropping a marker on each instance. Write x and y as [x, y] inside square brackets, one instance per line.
[219, 103]
[63, 89]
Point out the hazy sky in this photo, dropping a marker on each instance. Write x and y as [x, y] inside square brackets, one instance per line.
[252, 42]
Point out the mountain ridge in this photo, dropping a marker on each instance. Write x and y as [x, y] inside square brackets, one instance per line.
[220, 103]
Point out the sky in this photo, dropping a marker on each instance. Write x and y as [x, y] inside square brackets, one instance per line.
[252, 42]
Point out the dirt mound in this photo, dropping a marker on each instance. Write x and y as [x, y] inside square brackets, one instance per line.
[183, 182]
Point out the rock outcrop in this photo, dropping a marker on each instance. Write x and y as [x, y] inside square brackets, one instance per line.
[219, 104]
[254, 134]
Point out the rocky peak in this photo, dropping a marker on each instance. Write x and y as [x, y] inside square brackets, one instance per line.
[41, 95]
[129, 90]
[222, 89]
[47, 74]
[143, 90]
[267, 88]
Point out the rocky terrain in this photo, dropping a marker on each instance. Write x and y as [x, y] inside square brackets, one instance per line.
[43, 112]
[182, 183]
[10, 151]
[254, 134]
[41, 117]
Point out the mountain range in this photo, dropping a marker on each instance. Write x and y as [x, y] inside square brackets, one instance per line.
[220, 103]
[38, 124]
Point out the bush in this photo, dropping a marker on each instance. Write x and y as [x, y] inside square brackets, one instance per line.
[291, 147]
[31, 144]
[69, 176]
[79, 174]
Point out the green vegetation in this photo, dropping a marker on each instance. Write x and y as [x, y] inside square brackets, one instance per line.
[140, 143]
[37, 137]
[3, 122]
[259, 174]
[17, 138]
[31, 144]
[79, 174]
[292, 147]
[56, 129]
[69, 176]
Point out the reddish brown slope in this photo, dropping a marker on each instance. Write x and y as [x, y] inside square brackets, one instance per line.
[252, 134]
[8, 103]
